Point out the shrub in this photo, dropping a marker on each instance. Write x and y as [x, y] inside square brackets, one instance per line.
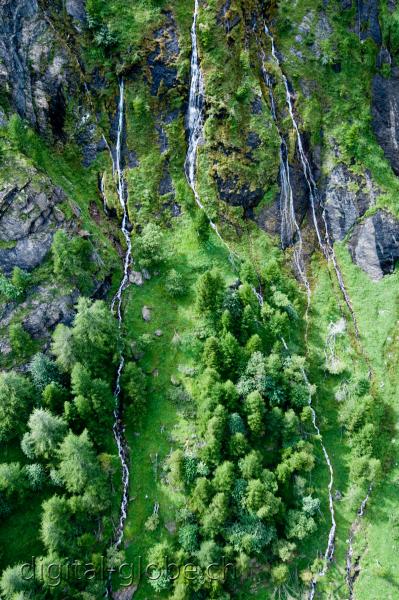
[175, 284]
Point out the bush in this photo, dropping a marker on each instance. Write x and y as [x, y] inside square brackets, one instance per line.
[175, 284]
[43, 371]
[20, 340]
[148, 249]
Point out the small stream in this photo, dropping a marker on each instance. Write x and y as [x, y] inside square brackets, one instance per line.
[195, 126]
[118, 427]
[353, 566]
[325, 244]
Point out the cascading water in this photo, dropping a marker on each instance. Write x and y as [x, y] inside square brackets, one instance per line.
[329, 553]
[352, 568]
[326, 247]
[118, 427]
[195, 125]
[290, 230]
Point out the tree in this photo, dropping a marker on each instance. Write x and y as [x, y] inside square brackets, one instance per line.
[217, 514]
[231, 355]
[299, 525]
[188, 537]
[78, 466]
[20, 279]
[14, 582]
[134, 386]
[54, 396]
[91, 341]
[46, 432]
[43, 371]
[211, 355]
[36, 476]
[210, 292]
[255, 409]
[72, 260]
[57, 532]
[149, 247]
[223, 478]
[251, 465]
[12, 480]
[175, 284]
[260, 501]
[16, 399]
[20, 340]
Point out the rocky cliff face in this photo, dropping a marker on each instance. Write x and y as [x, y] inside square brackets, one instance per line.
[374, 245]
[385, 112]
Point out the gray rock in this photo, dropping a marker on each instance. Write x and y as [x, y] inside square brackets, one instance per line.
[136, 278]
[162, 61]
[347, 197]
[28, 218]
[385, 112]
[46, 311]
[165, 184]
[146, 313]
[374, 244]
[368, 19]
[37, 68]
[76, 9]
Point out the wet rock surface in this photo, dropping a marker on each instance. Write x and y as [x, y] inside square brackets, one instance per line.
[162, 60]
[385, 113]
[347, 197]
[374, 244]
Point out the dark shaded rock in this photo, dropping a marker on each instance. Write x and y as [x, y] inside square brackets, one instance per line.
[172, 116]
[228, 17]
[76, 9]
[256, 106]
[132, 160]
[374, 244]
[46, 311]
[162, 61]
[165, 185]
[385, 112]
[237, 193]
[253, 140]
[37, 70]
[28, 219]
[269, 218]
[367, 16]
[347, 197]
[162, 138]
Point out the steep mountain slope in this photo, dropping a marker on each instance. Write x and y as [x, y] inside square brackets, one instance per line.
[221, 178]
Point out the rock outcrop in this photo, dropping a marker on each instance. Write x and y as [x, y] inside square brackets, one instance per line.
[347, 198]
[374, 244]
[385, 112]
[29, 216]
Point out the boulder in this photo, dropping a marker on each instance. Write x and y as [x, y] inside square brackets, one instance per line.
[146, 313]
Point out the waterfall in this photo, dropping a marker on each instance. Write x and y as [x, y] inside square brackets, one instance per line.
[118, 427]
[195, 125]
[290, 230]
[352, 576]
[326, 246]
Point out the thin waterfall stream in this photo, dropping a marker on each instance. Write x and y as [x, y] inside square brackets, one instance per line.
[290, 231]
[289, 226]
[326, 246]
[118, 427]
[195, 126]
[352, 566]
